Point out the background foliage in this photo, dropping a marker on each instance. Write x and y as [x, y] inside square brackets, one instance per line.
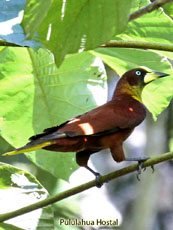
[48, 79]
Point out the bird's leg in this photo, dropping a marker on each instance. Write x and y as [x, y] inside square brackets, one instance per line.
[97, 175]
[140, 160]
[82, 158]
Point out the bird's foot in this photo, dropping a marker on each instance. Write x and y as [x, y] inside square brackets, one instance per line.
[140, 163]
[98, 181]
[152, 167]
[97, 175]
[139, 170]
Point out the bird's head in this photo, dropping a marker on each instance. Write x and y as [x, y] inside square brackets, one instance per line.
[133, 81]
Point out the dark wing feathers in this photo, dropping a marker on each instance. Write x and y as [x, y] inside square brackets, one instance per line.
[115, 130]
[47, 131]
[114, 115]
[51, 130]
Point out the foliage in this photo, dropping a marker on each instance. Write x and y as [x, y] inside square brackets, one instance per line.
[50, 79]
[75, 24]
[22, 184]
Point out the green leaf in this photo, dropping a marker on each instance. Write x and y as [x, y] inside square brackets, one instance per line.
[168, 9]
[157, 95]
[123, 59]
[10, 17]
[4, 226]
[4, 146]
[46, 220]
[34, 13]
[153, 27]
[16, 95]
[35, 95]
[72, 26]
[26, 190]
[12, 177]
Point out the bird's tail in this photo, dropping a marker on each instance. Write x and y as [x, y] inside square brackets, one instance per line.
[28, 147]
[38, 142]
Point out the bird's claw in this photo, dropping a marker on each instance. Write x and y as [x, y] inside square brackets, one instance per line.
[139, 170]
[152, 167]
[144, 169]
[98, 181]
[140, 162]
[97, 175]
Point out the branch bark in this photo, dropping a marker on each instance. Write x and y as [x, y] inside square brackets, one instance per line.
[83, 187]
[147, 9]
[139, 45]
[5, 43]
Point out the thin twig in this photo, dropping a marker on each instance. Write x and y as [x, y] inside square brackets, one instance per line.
[139, 45]
[147, 9]
[83, 187]
[10, 44]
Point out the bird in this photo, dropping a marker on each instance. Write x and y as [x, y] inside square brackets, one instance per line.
[105, 127]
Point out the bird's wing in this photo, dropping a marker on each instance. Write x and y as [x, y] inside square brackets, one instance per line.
[109, 117]
[105, 119]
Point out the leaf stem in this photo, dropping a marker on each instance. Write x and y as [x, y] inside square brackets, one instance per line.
[83, 187]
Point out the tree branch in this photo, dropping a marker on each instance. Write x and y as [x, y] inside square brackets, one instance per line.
[139, 45]
[83, 187]
[147, 9]
[5, 43]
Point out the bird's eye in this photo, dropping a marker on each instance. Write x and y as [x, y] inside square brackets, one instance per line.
[138, 73]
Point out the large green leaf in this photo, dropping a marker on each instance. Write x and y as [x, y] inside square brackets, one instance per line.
[157, 95]
[71, 26]
[23, 185]
[168, 9]
[35, 94]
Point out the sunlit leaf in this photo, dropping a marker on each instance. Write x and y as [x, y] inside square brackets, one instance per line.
[157, 95]
[18, 189]
[168, 9]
